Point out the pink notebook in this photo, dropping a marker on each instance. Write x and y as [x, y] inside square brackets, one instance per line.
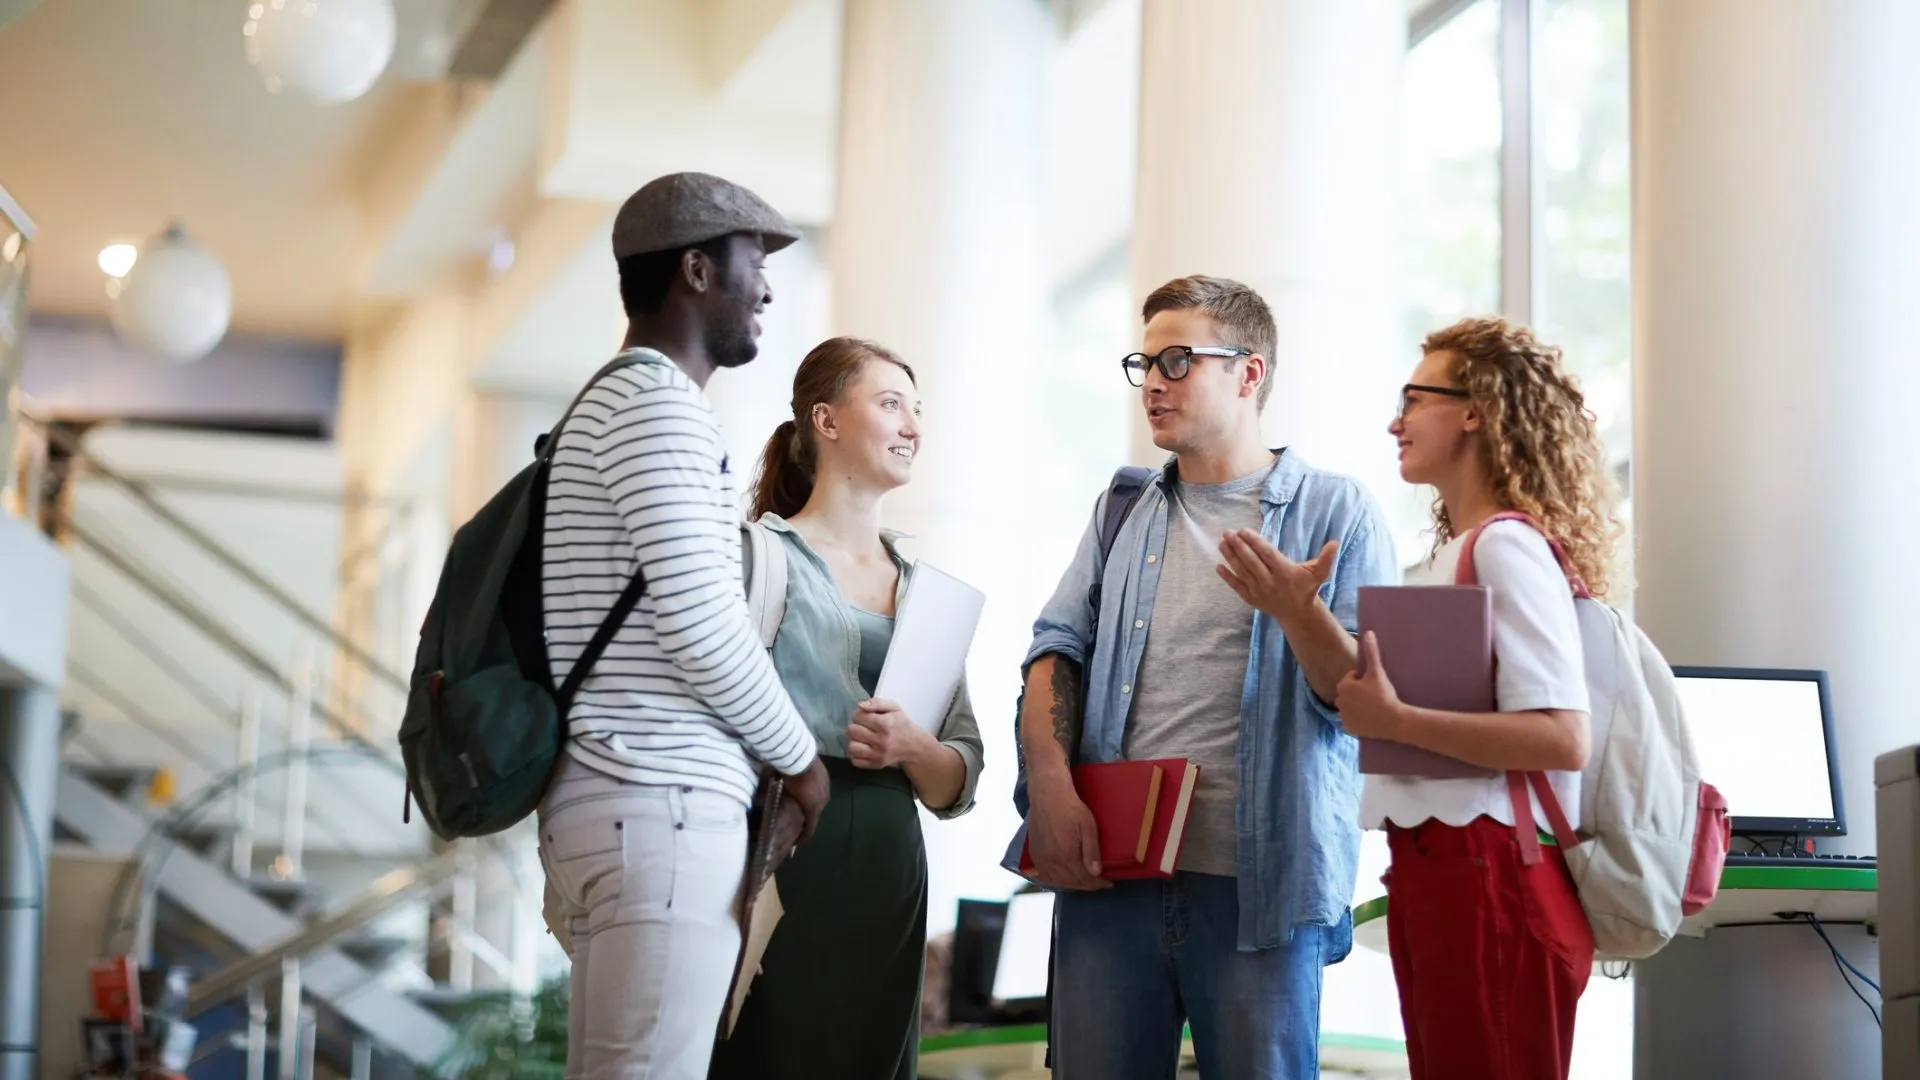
[1437, 645]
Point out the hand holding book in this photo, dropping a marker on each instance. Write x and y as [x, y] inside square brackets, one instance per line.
[1420, 648]
[1370, 707]
[1138, 811]
[778, 821]
[1063, 842]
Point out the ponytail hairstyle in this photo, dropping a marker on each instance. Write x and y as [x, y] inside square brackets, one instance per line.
[785, 482]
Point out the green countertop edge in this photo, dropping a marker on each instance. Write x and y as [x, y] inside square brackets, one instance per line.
[991, 1036]
[1034, 1033]
[1757, 878]
[1825, 878]
[1375, 908]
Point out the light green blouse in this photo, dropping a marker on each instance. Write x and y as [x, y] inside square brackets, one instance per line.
[818, 653]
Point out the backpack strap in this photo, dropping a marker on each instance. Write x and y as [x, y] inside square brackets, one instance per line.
[543, 449]
[609, 626]
[763, 567]
[1129, 483]
[1525, 831]
[1467, 574]
[545, 444]
[1123, 493]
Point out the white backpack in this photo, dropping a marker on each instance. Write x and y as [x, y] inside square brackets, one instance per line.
[763, 571]
[1654, 835]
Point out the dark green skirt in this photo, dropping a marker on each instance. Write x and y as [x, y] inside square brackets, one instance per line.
[838, 997]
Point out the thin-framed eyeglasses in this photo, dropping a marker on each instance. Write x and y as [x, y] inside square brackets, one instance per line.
[1407, 400]
[1174, 360]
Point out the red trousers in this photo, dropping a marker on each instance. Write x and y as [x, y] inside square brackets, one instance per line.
[1491, 955]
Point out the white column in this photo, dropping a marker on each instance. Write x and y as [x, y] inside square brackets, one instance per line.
[494, 433]
[1269, 146]
[935, 252]
[1776, 240]
[934, 249]
[1269, 154]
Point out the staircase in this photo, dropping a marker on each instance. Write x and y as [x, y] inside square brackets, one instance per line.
[231, 740]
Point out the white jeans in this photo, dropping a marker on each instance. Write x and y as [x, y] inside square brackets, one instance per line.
[641, 888]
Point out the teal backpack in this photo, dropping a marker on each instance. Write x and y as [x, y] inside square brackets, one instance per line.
[484, 724]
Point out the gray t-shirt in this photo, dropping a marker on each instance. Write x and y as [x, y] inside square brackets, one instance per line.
[1187, 699]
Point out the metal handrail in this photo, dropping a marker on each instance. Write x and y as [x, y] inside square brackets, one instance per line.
[206, 624]
[100, 687]
[107, 692]
[383, 895]
[143, 493]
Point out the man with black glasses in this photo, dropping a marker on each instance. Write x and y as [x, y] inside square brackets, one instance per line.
[1213, 626]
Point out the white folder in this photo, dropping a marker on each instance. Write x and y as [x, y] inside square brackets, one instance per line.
[932, 632]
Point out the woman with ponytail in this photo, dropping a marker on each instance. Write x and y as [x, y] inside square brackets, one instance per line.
[839, 989]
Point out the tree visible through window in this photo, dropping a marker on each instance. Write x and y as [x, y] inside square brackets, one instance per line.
[1585, 152]
[1450, 173]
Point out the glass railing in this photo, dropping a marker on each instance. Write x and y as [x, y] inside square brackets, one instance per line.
[22, 458]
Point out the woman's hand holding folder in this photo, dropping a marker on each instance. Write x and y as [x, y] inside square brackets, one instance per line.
[1369, 706]
[880, 735]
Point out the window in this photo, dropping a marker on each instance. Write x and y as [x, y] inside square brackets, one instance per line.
[1584, 154]
[1450, 172]
[1452, 158]
[1450, 126]
[1581, 153]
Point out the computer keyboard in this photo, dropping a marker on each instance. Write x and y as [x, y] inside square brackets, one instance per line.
[1825, 861]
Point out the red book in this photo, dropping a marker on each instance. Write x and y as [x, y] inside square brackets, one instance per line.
[1141, 810]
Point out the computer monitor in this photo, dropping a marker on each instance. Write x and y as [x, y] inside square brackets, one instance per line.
[998, 970]
[1765, 740]
[1026, 947]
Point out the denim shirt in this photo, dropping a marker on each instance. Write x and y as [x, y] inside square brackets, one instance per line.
[1299, 782]
[817, 653]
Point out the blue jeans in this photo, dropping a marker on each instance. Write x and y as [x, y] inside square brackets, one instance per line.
[1133, 963]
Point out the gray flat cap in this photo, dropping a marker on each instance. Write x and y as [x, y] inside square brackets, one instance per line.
[690, 208]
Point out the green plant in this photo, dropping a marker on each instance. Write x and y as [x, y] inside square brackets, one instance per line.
[507, 1036]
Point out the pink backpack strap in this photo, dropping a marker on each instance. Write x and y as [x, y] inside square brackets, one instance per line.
[1467, 574]
[1525, 831]
[1524, 828]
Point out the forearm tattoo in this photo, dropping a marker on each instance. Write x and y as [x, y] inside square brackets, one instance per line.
[1067, 712]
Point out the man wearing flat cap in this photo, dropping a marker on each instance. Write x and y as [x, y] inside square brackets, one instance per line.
[643, 831]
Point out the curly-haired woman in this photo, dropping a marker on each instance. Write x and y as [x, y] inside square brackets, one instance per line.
[1491, 953]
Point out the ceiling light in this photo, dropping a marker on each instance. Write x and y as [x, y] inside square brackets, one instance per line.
[501, 252]
[117, 259]
[327, 51]
[175, 301]
[11, 249]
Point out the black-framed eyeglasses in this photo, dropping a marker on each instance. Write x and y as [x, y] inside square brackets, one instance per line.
[1174, 360]
[1407, 399]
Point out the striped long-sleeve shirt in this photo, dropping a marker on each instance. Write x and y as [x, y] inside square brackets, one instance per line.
[685, 693]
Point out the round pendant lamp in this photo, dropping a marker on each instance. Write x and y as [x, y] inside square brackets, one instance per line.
[327, 51]
[176, 300]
